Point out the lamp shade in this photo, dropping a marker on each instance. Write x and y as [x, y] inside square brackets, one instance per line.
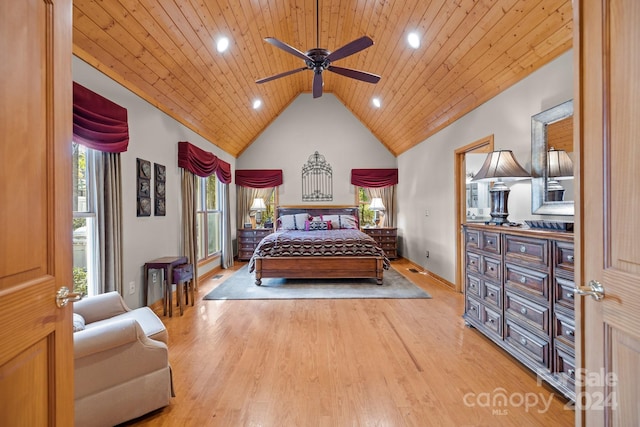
[376, 204]
[258, 205]
[500, 165]
[559, 164]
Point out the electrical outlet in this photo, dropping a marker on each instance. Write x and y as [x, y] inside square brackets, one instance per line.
[426, 213]
[427, 254]
[132, 288]
[154, 277]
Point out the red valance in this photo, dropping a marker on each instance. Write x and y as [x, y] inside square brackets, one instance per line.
[374, 178]
[202, 163]
[259, 178]
[98, 123]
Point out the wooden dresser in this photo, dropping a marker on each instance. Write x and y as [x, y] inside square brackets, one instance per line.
[248, 239]
[387, 239]
[519, 293]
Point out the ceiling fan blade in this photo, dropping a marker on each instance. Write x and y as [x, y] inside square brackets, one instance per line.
[287, 48]
[277, 76]
[350, 48]
[317, 84]
[355, 74]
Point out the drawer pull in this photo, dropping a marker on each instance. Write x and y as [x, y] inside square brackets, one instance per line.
[523, 280]
[523, 341]
[570, 295]
[523, 310]
[570, 258]
[473, 309]
[571, 372]
[571, 332]
[489, 242]
[492, 321]
[472, 285]
[523, 249]
[491, 294]
[490, 268]
[472, 263]
[473, 239]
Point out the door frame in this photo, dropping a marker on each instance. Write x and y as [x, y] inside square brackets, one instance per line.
[482, 145]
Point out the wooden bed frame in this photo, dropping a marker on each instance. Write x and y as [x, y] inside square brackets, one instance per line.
[336, 267]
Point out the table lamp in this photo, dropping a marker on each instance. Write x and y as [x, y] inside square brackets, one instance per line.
[376, 206]
[559, 166]
[258, 206]
[500, 166]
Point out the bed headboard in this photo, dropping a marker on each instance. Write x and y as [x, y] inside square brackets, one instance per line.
[319, 210]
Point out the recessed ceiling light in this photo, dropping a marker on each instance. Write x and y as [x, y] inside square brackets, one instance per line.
[414, 40]
[256, 104]
[376, 102]
[223, 44]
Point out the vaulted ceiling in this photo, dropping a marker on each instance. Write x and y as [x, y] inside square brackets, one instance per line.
[471, 50]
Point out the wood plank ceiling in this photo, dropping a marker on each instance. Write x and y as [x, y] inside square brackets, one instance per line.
[471, 50]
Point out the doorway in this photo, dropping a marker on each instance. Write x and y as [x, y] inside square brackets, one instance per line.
[462, 197]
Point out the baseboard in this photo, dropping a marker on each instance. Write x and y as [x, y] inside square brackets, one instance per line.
[442, 281]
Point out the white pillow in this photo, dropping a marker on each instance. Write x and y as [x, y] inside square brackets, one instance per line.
[293, 222]
[341, 221]
[78, 322]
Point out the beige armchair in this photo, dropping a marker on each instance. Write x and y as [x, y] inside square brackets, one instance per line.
[121, 361]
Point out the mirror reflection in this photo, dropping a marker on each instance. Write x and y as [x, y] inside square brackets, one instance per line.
[478, 199]
[552, 161]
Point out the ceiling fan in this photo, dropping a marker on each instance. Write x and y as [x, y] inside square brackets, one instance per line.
[319, 59]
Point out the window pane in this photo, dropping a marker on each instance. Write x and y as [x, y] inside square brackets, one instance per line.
[200, 232]
[213, 219]
[79, 178]
[199, 194]
[212, 196]
[84, 256]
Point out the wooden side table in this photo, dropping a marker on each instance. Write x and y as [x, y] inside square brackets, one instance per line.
[248, 239]
[165, 264]
[387, 239]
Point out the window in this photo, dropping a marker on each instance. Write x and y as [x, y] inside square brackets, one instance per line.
[85, 270]
[209, 218]
[363, 200]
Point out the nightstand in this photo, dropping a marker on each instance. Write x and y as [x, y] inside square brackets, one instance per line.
[387, 239]
[248, 239]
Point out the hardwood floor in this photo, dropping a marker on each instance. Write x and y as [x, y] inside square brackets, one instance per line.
[375, 362]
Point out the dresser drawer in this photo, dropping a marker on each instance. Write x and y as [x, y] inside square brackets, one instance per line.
[472, 309]
[473, 262]
[531, 345]
[531, 281]
[492, 268]
[563, 259]
[491, 294]
[527, 251]
[564, 329]
[492, 320]
[491, 242]
[472, 238]
[564, 363]
[533, 314]
[563, 293]
[245, 255]
[473, 285]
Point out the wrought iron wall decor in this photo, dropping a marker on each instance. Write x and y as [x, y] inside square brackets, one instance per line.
[144, 187]
[317, 179]
[160, 206]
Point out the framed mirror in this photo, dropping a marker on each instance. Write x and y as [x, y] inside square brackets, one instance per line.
[551, 161]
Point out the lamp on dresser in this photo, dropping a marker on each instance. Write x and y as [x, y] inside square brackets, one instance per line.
[258, 206]
[376, 206]
[500, 166]
[559, 166]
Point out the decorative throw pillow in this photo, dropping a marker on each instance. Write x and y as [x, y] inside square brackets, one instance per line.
[293, 222]
[341, 221]
[317, 225]
[78, 322]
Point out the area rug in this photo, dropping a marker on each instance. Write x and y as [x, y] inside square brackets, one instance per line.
[241, 286]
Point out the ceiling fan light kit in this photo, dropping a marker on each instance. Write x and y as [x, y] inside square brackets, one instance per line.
[319, 60]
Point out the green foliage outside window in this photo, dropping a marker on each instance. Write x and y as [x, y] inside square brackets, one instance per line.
[366, 214]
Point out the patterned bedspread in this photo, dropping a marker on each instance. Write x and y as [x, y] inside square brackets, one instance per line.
[343, 242]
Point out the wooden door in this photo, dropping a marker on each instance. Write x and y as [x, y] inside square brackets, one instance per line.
[36, 346]
[609, 116]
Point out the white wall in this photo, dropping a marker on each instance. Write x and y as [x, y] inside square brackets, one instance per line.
[325, 125]
[426, 177]
[154, 136]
